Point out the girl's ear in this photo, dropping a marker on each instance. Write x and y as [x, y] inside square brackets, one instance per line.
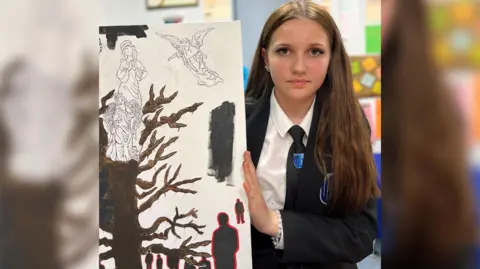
[265, 57]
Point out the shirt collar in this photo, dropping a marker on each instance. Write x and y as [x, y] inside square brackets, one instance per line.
[282, 122]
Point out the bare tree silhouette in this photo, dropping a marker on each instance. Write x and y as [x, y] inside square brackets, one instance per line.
[119, 209]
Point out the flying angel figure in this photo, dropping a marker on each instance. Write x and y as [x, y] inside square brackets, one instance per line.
[193, 58]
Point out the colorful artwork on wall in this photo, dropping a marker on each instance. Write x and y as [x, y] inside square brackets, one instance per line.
[456, 33]
[373, 39]
[369, 109]
[366, 72]
[372, 109]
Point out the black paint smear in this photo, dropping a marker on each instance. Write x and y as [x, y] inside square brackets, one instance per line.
[222, 129]
[113, 32]
[225, 244]
[173, 262]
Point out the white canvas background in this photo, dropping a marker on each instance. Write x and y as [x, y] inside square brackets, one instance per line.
[223, 49]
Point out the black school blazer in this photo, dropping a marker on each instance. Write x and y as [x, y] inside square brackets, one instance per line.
[312, 238]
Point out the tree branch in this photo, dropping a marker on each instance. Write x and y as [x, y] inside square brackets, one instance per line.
[146, 185]
[155, 225]
[152, 124]
[158, 155]
[182, 252]
[146, 233]
[104, 102]
[156, 103]
[175, 175]
[194, 245]
[154, 143]
[106, 255]
[145, 194]
[150, 237]
[106, 242]
[168, 186]
[174, 117]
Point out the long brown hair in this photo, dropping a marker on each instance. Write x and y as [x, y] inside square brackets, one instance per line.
[425, 168]
[341, 117]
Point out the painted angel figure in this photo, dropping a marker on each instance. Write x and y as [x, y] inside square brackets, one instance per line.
[124, 119]
[193, 58]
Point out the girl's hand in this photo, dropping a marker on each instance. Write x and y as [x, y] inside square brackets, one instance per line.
[262, 218]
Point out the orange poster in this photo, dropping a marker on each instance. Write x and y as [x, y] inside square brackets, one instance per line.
[476, 108]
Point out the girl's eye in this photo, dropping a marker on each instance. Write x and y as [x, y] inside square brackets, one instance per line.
[316, 52]
[282, 51]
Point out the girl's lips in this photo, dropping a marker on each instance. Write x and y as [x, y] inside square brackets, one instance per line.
[298, 83]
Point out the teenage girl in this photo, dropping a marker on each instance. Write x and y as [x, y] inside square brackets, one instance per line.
[309, 170]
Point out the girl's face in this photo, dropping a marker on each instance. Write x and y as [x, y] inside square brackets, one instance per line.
[298, 58]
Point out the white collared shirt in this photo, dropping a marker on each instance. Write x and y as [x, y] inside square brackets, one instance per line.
[272, 165]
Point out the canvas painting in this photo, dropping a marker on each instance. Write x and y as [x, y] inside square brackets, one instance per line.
[172, 137]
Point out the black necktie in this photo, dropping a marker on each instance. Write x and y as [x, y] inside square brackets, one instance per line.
[294, 163]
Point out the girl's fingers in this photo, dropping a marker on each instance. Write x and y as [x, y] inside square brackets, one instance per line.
[245, 156]
[246, 188]
[246, 172]
[249, 172]
[250, 164]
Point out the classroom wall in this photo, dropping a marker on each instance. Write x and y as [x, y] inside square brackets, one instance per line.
[131, 12]
[252, 23]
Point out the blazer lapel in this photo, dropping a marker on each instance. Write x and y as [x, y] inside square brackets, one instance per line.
[257, 122]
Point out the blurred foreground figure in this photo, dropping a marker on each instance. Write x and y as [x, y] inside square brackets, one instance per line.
[46, 216]
[48, 136]
[429, 208]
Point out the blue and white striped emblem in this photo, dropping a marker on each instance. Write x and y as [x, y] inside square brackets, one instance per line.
[324, 190]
